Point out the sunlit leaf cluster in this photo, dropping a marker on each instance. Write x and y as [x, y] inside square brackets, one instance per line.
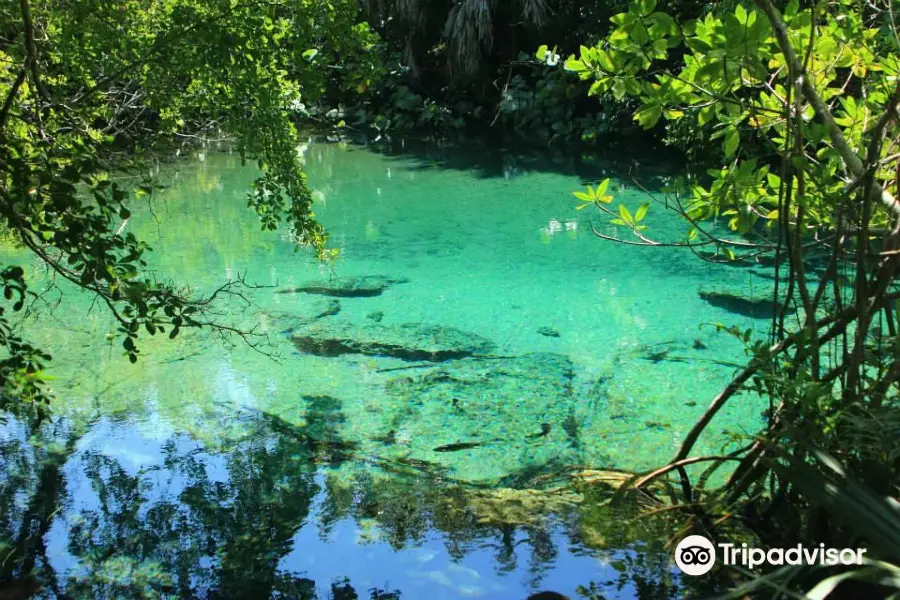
[726, 72]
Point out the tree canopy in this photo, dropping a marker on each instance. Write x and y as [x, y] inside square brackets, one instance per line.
[92, 90]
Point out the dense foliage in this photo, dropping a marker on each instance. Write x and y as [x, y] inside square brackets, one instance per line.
[454, 67]
[804, 103]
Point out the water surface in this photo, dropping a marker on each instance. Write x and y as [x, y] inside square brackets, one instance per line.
[217, 469]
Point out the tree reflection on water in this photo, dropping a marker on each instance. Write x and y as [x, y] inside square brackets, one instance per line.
[83, 520]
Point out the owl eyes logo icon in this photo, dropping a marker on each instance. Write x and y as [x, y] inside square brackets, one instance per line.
[695, 555]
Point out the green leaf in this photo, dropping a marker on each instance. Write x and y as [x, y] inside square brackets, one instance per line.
[647, 7]
[623, 19]
[605, 60]
[663, 24]
[583, 196]
[792, 9]
[885, 573]
[860, 508]
[698, 45]
[625, 215]
[601, 187]
[575, 65]
[732, 139]
[641, 212]
[648, 115]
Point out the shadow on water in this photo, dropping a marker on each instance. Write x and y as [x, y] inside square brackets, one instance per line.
[639, 158]
[250, 519]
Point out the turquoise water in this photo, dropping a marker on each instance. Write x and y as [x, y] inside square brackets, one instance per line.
[214, 469]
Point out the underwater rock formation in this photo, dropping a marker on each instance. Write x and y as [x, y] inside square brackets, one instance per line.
[759, 308]
[408, 341]
[504, 407]
[538, 376]
[306, 310]
[346, 287]
[333, 307]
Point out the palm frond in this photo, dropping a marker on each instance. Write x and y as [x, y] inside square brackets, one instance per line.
[535, 12]
[885, 574]
[470, 31]
[413, 11]
[875, 518]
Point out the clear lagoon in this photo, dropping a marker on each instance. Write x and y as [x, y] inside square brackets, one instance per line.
[420, 418]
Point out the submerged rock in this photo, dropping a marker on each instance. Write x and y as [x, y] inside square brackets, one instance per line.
[757, 308]
[305, 311]
[346, 287]
[333, 307]
[548, 332]
[409, 341]
[508, 405]
[545, 430]
[468, 382]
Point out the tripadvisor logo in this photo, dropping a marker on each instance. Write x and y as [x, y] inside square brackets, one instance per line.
[696, 555]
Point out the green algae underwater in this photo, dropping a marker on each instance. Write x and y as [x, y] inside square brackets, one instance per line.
[410, 419]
